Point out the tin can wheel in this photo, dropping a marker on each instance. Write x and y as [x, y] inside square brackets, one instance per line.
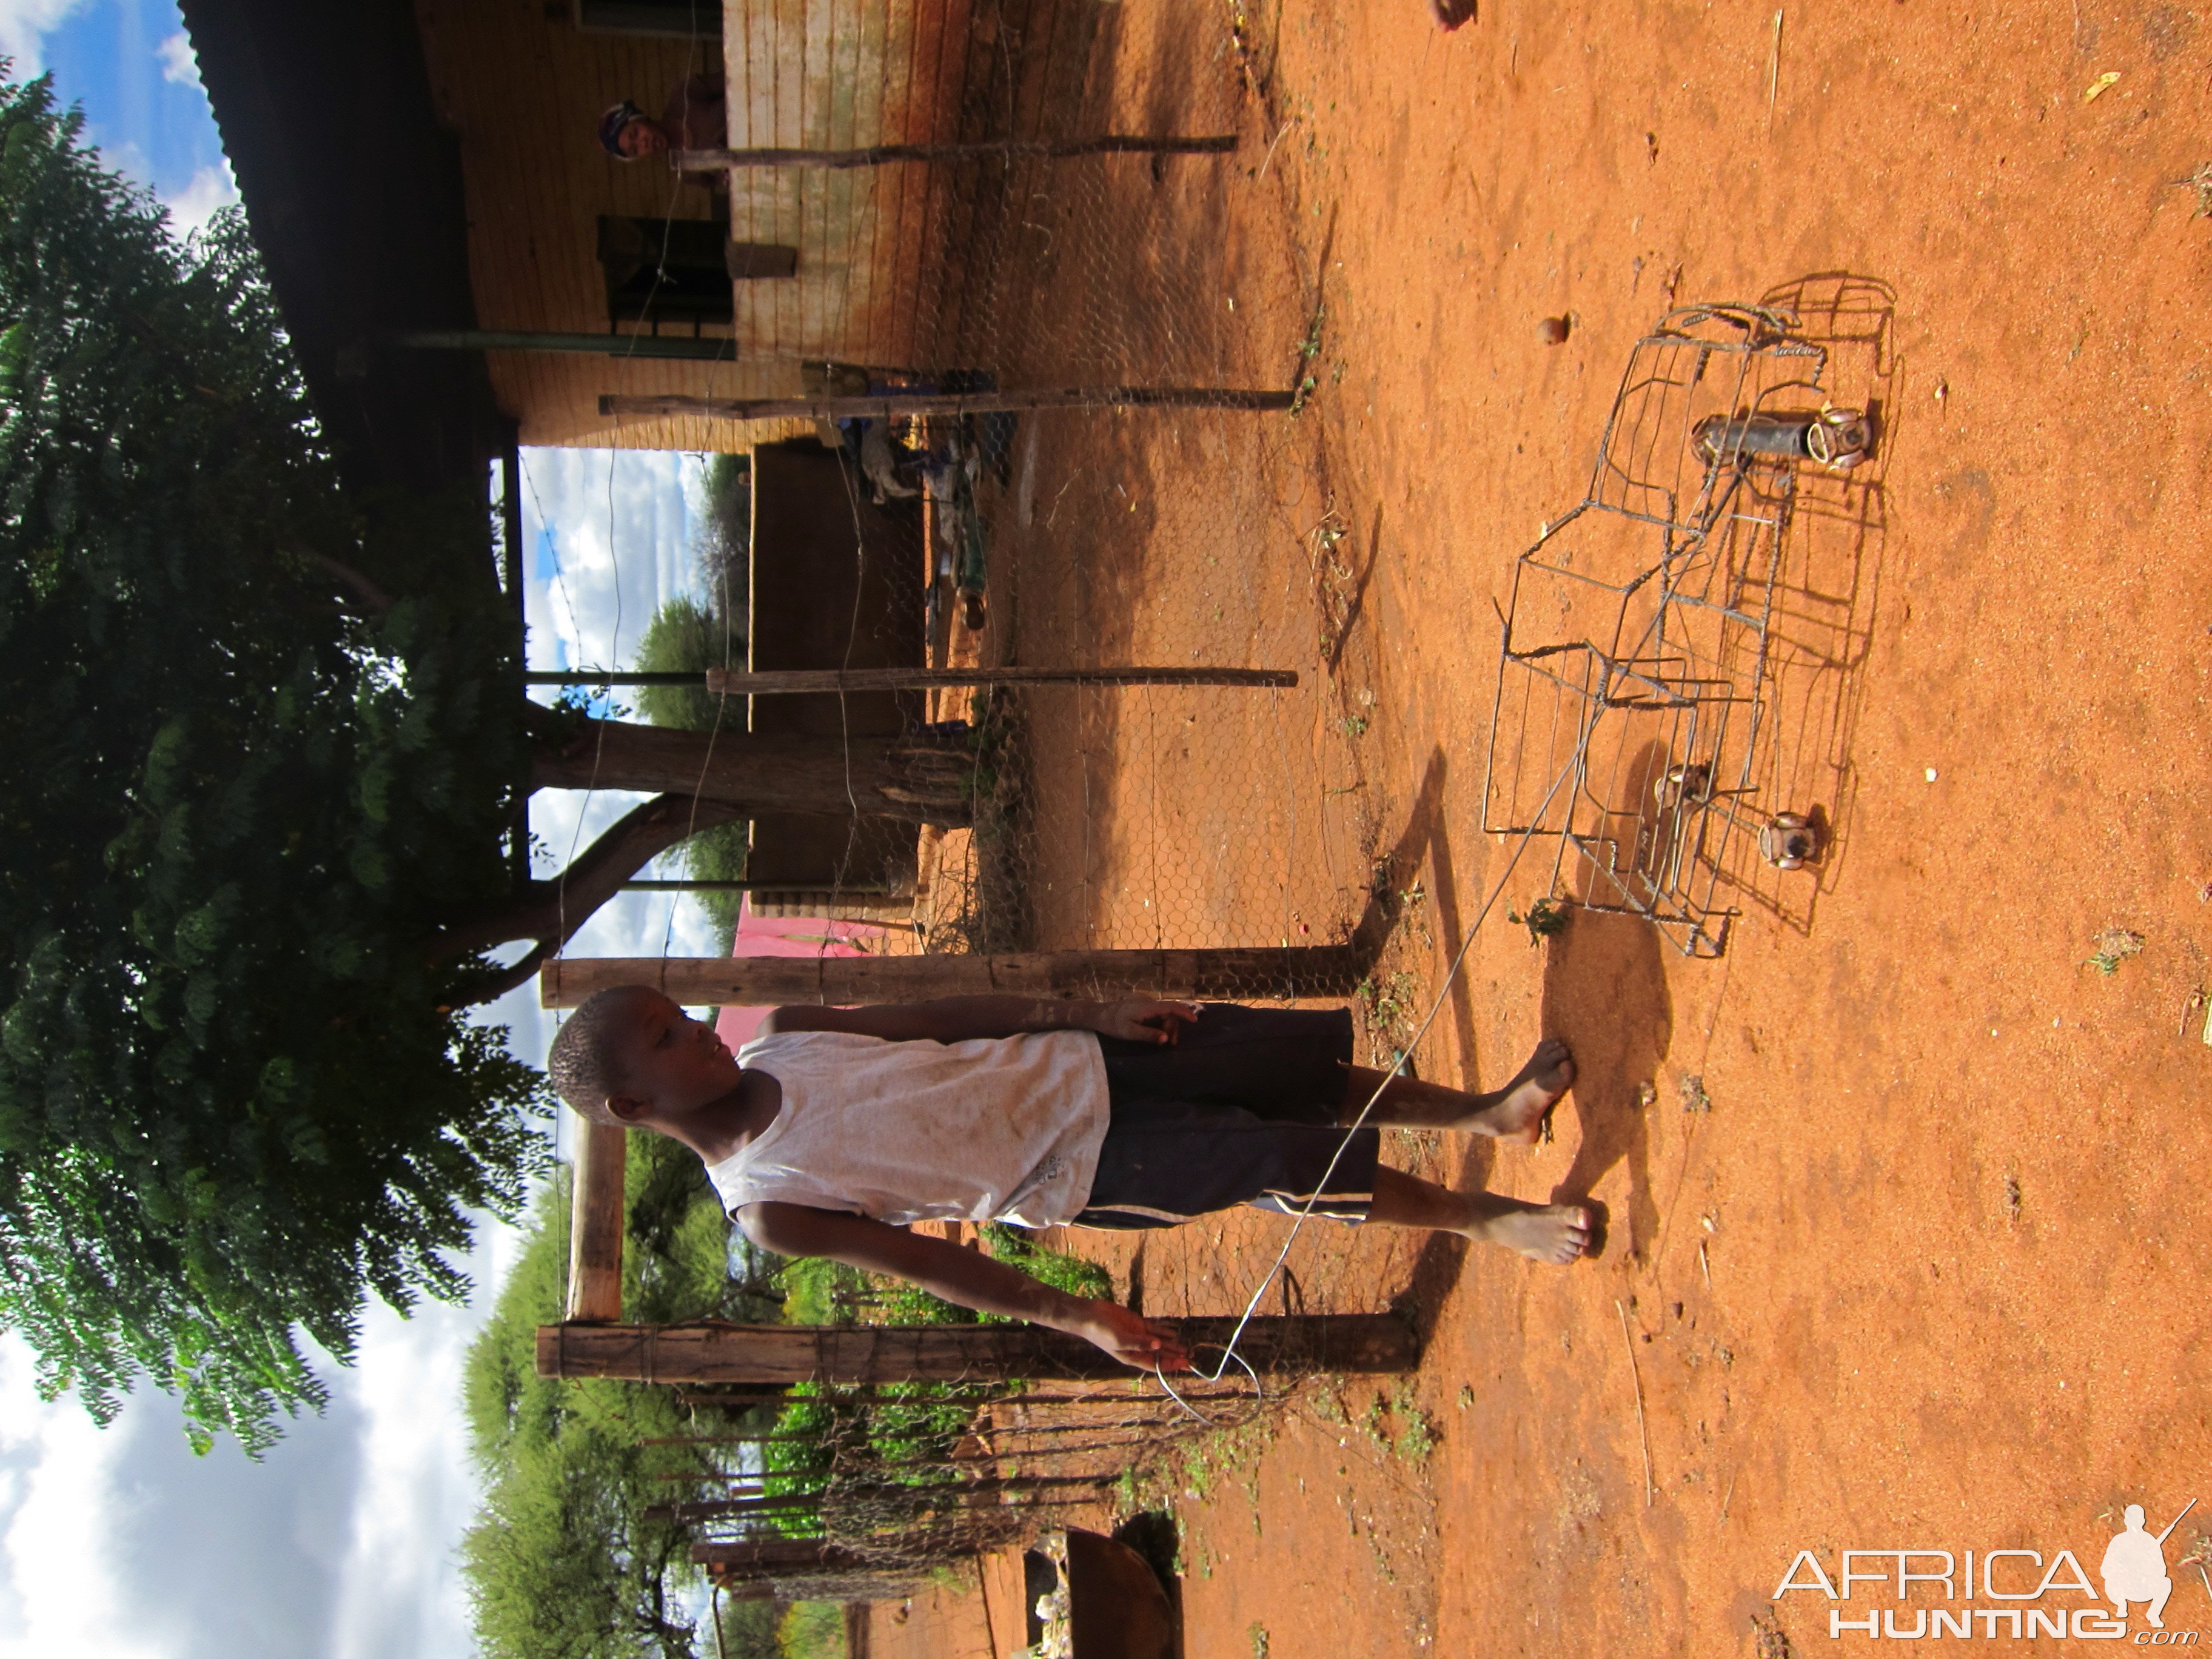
[1790, 841]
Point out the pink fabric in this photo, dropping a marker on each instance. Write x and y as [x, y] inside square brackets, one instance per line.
[784, 936]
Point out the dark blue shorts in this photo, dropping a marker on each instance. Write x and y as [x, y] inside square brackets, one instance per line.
[1241, 1108]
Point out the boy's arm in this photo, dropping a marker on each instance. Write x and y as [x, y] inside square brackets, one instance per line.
[957, 1019]
[967, 1277]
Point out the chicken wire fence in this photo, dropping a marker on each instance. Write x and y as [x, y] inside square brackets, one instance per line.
[1028, 204]
[1057, 444]
[859, 1490]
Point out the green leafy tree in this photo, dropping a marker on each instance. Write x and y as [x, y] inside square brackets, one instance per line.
[264, 745]
[722, 544]
[561, 1560]
[234, 1094]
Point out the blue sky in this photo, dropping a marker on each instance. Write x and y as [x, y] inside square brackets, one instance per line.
[128, 65]
[342, 1543]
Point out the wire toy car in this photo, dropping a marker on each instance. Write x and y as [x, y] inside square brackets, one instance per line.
[1633, 652]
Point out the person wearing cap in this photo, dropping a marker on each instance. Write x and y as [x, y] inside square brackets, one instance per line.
[694, 117]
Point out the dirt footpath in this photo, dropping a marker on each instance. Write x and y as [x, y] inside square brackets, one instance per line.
[1920, 1261]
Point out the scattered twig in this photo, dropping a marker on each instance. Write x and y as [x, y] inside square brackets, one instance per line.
[1774, 70]
[1705, 1267]
[1728, 1500]
[1280, 131]
[1064, 488]
[1635, 1377]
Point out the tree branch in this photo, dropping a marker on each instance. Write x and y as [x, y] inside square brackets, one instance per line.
[494, 986]
[369, 596]
[550, 912]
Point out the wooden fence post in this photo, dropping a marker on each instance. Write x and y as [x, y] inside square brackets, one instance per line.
[1360, 1343]
[734, 682]
[1306, 971]
[877, 155]
[595, 1225]
[894, 404]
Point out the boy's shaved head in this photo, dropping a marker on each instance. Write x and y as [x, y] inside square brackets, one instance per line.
[586, 1063]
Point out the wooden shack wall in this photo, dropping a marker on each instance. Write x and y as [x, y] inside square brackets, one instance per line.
[523, 91]
[889, 257]
[892, 265]
[840, 75]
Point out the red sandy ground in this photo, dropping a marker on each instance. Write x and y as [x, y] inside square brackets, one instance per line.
[1932, 1272]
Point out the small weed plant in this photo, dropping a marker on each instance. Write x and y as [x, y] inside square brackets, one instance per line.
[1547, 919]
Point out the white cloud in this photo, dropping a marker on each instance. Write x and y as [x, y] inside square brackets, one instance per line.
[190, 208]
[343, 1541]
[621, 523]
[180, 63]
[400, 1589]
[23, 26]
[58, 1507]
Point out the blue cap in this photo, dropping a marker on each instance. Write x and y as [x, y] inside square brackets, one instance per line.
[611, 124]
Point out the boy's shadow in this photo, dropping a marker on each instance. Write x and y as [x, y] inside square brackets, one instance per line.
[1606, 996]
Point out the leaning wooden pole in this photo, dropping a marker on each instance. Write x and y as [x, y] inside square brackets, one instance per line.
[1368, 1344]
[1316, 970]
[736, 682]
[732, 682]
[595, 1224]
[877, 155]
[895, 405]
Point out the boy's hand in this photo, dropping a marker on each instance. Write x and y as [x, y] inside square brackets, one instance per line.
[1136, 1341]
[1142, 1019]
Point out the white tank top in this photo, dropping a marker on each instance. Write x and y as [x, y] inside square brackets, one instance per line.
[999, 1129]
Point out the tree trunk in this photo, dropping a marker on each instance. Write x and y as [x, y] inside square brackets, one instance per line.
[551, 911]
[700, 779]
[752, 775]
[745, 1556]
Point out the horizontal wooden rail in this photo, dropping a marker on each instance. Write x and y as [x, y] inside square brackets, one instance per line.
[1361, 1343]
[1313, 970]
[886, 406]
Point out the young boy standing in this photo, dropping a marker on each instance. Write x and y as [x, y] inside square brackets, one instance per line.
[835, 1127]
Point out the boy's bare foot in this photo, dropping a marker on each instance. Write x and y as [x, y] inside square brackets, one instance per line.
[1515, 1113]
[1554, 1233]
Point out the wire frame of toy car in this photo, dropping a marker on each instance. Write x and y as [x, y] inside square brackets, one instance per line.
[1632, 661]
